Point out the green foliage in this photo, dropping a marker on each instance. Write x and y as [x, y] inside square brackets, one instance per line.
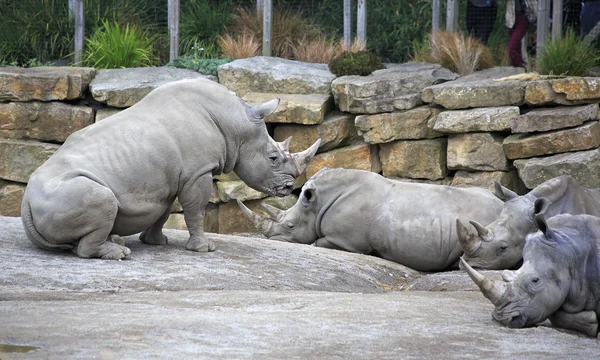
[201, 65]
[113, 47]
[569, 56]
[201, 22]
[359, 63]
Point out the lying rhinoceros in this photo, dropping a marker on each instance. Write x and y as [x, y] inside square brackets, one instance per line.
[500, 244]
[559, 279]
[120, 176]
[360, 211]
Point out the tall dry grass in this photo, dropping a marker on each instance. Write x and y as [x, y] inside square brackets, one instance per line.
[319, 50]
[355, 46]
[456, 52]
[240, 46]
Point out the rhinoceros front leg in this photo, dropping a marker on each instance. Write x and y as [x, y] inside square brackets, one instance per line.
[323, 242]
[154, 235]
[585, 321]
[194, 198]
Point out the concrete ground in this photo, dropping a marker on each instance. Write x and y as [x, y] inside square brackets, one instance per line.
[252, 298]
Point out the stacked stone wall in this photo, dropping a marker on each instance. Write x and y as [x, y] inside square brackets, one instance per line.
[414, 121]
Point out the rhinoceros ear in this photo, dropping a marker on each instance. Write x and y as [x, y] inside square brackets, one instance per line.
[540, 206]
[504, 193]
[308, 196]
[540, 223]
[257, 113]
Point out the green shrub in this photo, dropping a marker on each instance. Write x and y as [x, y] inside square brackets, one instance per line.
[359, 63]
[201, 22]
[203, 66]
[112, 47]
[569, 56]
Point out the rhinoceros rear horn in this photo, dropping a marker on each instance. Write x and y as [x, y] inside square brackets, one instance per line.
[482, 231]
[262, 223]
[467, 239]
[493, 290]
[274, 212]
[302, 159]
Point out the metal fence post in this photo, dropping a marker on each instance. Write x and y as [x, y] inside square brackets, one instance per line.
[557, 19]
[260, 5]
[452, 15]
[361, 22]
[79, 31]
[543, 18]
[347, 24]
[173, 29]
[435, 16]
[267, 26]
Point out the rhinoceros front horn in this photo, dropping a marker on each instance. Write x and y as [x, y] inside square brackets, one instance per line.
[493, 290]
[302, 159]
[468, 241]
[262, 223]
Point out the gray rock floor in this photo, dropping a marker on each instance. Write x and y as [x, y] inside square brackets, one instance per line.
[252, 298]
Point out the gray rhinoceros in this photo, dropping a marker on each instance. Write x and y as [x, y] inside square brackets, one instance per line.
[499, 245]
[559, 279]
[363, 212]
[120, 176]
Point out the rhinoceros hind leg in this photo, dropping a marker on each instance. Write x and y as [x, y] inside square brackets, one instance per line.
[200, 244]
[585, 321]
[98, 245]
[154, 235]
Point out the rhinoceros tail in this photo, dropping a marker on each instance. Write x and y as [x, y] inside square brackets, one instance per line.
[35, 236]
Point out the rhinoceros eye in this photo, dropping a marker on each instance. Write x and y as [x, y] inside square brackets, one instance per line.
[535, 280]
[501, 249]
[289, 225]
[273, 159]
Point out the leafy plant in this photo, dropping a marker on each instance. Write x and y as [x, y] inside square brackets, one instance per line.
[201, 22]
[359, 63]
[201, 65]
[239, 46]
[320, 50]
[569, 56]
[114, 47]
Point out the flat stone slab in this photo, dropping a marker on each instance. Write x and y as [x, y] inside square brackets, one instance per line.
[20, 158]
[476, 120]
[44, 83]
[360, 157]
[307, 109]
[399, 125]
[237, 189]
[560, 117]
[11, 197]
[271, 74]
[485, 179]
[387, 90]
[124, 87]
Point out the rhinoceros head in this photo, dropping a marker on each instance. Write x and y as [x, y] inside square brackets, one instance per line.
[266, 165]
[531, 294]
[500, 244]
[296, 225]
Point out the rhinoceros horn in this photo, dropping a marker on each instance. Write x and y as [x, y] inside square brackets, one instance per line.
[262, 223]
[468, 241]
[275, 213]
[491, 289]
[302, 159]
[285, 145]
[482, 231]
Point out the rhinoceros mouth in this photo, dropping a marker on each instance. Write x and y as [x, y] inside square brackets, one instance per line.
[284, 190]
[513, 320]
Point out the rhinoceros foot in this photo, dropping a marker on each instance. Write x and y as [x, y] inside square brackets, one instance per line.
[153, 239]
[200, 244]
[116, 239]
[115, 251]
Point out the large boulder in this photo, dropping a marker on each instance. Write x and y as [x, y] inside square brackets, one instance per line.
[124, 87]
[400, 125]
[479, 90]
[393, 89]
[44, 83]
[275, 75]
[46, 121]
[211, 220]
[418, 159]
[583, 166]
[233, 221]
[307, 109]
[20, 158]
[477, 152]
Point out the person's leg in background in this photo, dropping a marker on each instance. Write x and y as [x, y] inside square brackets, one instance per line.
[516, 34]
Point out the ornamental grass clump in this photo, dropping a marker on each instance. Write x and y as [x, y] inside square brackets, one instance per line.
[319, 50]
[240, 46]
[568, 56]
[112, 46]
[359, 63]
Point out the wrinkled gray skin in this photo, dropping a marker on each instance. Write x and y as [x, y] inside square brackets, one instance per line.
[359, 211]
[121, 175]
[500, 244]
[559, 279]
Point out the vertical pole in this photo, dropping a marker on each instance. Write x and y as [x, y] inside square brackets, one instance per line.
[267, 26]
[347, 24]
[173, 29]
[361, 22]
[543, 16]
[452, 16]
[435, 16]
[557, 19]
[79, 31]
[260, 5]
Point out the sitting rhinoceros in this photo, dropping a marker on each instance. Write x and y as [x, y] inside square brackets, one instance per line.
[121, 175]
[359, 211]
[559, 279]
[499, 245]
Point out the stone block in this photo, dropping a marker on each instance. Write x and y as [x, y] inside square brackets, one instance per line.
[485, 179]
[387, 90]
[476, 152]
[359, 157]
[307, 109]
[45, 83]
[417, 159]
[11, 197]
[233, 221]
[523, 146]
[476, 120]
[46, 121]
[577, 88]
[546, 119]
[400, 125]
[211, 220]
[276, 75]
[583, 166]
[20, 158]
[335, 131]
[102, 114]
[232, 190]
